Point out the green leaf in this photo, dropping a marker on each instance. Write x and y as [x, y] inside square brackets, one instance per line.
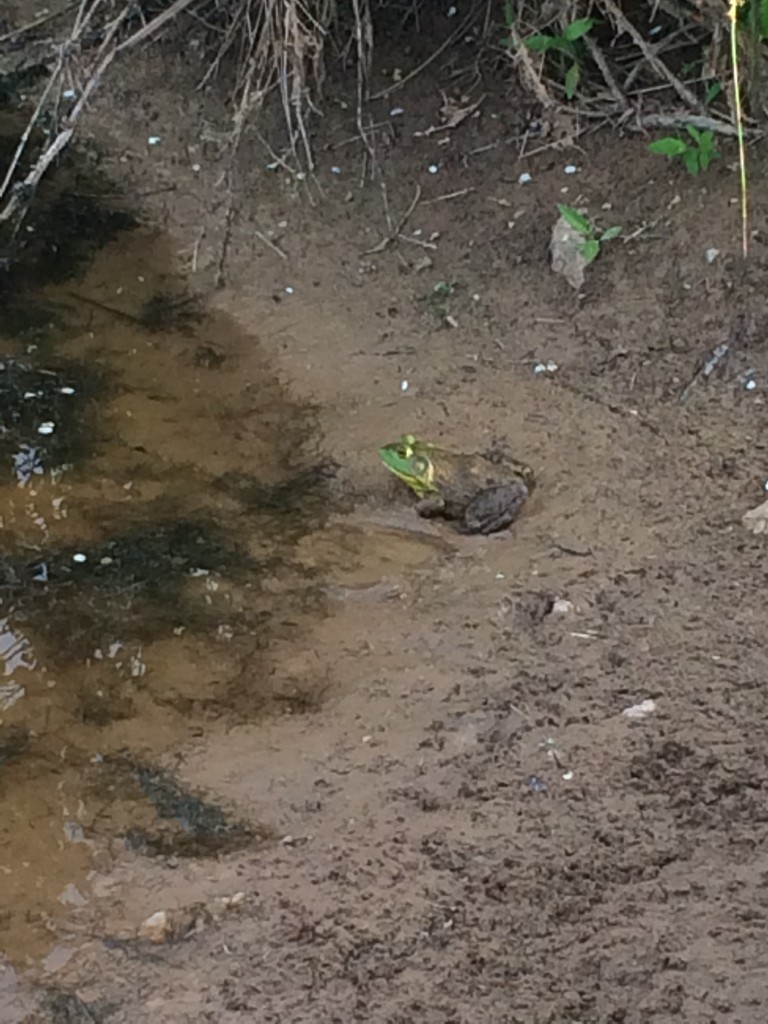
[763, 18]
[578, 28]
[575, 219]
[509, 14]
[691, 161]
[706, 156]
[713, 92]
[694, 132]
[610, 234]
[571, 81]
[669, 146]
[540, 43]
[590, 249]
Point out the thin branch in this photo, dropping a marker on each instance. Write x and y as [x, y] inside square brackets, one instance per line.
[625, 25]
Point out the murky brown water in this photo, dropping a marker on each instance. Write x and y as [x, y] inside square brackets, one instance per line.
[163, 502]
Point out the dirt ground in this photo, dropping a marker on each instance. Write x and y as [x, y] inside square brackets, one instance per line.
[465, 826]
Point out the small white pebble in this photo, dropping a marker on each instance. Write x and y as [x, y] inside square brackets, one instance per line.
[765, 486]
[571, 169]
[396, 112]
[567, 776]
[562, 606]
[66, 390]
[404, 385]
[335, 170]
[46, 428]
[106, 560]
[499, 575]
[196, 168]
[524, 178]
[639, 711]
[433, 168]
[476, 297]
[451, 12]
[289, 290]
[751, 384]
[154, 140]
[549, 367]
[69, 94]
[80, 557]
[712, 255]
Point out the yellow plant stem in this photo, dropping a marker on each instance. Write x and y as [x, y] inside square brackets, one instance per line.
[733, 13]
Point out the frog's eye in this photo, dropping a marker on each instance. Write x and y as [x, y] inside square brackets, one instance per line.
[419, 465]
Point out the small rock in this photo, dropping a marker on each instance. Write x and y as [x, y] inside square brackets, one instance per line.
[566, 253]
[640, 711]
[166, 926]
[561, 606]
[156, 928]
[228, 902]
[549, 367]
[756, 520]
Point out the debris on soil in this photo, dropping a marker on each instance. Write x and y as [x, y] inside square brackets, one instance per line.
[68, 1008]
[182, 922]
[638, 712]
[488, 729]
[549, 367]
[705, 371]
[173, 925]
[756, 520]
[567, 251]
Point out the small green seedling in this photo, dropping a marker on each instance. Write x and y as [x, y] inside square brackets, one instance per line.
[569, 44]
[697, 154]
[591, 237]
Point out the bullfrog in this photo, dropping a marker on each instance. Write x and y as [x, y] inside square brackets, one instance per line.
[484, 493]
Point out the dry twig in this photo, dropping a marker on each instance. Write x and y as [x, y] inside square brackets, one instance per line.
[395, 231]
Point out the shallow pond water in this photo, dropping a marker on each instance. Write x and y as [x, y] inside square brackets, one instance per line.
[163, 503]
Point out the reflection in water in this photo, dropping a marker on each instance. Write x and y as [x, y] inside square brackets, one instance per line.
[136, 587]
[15, 650]
[162, 507]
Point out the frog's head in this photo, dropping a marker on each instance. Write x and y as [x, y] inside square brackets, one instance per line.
[411, 460]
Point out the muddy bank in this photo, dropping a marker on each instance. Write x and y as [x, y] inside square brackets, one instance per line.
[416, 742]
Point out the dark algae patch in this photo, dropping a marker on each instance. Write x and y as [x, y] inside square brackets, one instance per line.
[47, 418]
[130, 589]
[182, 823]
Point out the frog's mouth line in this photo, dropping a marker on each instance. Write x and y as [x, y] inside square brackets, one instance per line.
[421, 485]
